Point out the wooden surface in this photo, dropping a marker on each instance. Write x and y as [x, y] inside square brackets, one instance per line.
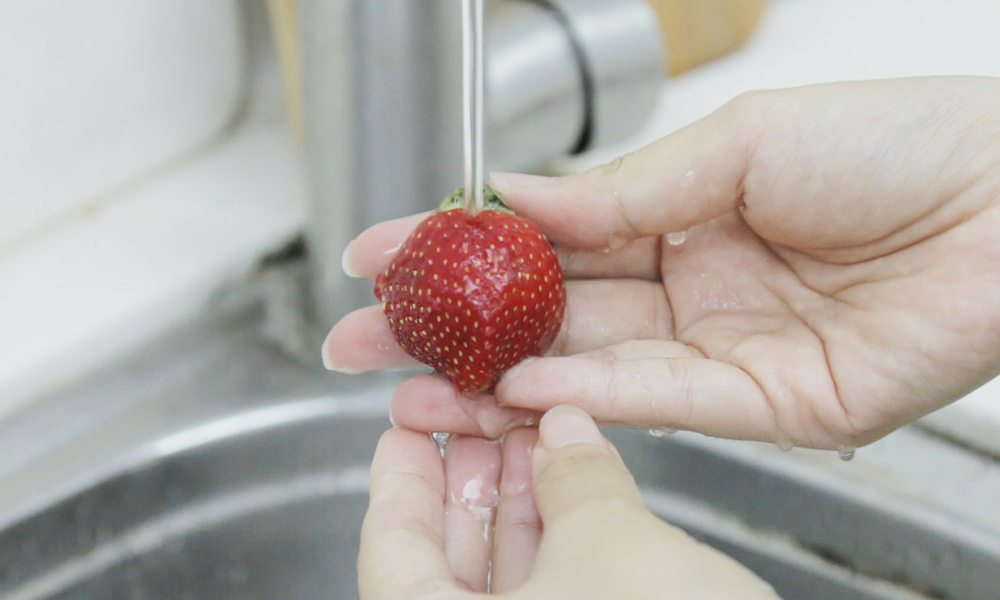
[284, 27]
[697, 31]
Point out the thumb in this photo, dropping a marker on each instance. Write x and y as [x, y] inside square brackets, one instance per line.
[688, 177]
[578, 475]
[600, 541]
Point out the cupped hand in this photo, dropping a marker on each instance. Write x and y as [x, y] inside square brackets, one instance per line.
[441, 528]
[839, 273]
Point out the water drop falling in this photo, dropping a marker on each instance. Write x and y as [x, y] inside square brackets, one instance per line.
[676, 238]
[662, 432]
[845, 453]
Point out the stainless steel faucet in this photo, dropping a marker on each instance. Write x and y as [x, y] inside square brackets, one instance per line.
[382, 104]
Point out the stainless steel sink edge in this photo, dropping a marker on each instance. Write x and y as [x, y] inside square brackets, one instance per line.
[189, 519]
[216, 419]
[833, 511]
[774, 555]
[214, 378]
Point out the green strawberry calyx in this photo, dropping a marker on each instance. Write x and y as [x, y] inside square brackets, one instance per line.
[492, 200]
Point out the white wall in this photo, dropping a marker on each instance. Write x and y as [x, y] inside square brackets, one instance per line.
[94, 94]
[134, 185]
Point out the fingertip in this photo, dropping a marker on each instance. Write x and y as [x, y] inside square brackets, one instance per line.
[371, 252]
[324, 353]
[347, 263]
[565, 425]
[401, 450]
[362, 341]
[401, 537]
[330, 352]
[523, 438]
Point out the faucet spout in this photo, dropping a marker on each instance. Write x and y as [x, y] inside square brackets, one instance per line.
[382, 105]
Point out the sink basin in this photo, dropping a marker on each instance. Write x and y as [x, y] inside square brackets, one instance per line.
[214, 466]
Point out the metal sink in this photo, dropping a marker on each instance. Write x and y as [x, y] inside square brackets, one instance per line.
[214, 466]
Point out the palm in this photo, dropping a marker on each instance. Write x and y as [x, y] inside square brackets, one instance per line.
[841, 351]
[850, 322]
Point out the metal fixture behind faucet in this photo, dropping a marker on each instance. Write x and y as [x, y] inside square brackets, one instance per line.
[382, 104]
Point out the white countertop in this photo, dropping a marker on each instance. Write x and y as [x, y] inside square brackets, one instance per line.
[100, 283]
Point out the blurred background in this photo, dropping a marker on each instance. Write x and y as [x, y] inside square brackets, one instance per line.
[165, 162]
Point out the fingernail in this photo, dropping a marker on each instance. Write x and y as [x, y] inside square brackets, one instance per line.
[345, 262]
[565, 425]
[324, 352]
[519, 180]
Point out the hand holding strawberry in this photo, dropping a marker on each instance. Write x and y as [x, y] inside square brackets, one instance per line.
[473, 295]
[837, 280]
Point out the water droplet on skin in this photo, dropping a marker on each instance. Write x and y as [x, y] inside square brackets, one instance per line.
[784, 444]
[846, 453]
[479, 503]
[616, 242]
[677, 238]
[662, 432]
[688, 180]
[616, 164]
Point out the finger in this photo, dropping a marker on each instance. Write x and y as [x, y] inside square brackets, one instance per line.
[580, 481]
[684, 179]
[431, 403]
[518, 528]
[647, 384]
[594, 516]
[604, 312]
[362, 341]
[472, 472]
[371, 252]
[402, 538]
[599, 313]
[639, 259]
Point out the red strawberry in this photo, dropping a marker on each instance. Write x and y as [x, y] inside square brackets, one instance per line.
[473, 295]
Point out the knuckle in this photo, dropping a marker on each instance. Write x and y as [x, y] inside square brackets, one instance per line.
[750, 106]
